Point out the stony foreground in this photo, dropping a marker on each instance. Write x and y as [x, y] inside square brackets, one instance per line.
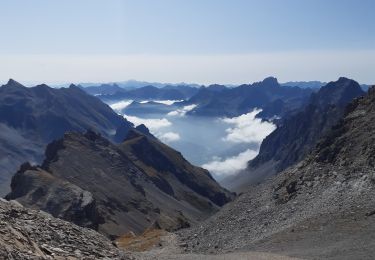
[30, 234]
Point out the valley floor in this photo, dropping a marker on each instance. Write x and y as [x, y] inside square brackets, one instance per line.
[351, 237]
[170, 249]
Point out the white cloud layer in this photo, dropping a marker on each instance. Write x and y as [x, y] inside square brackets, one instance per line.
[230, 166]
[165, 102]
[156, 127]
[247, 128]
[182, 111]
[153, 124]
[169, 137]
[120, 105]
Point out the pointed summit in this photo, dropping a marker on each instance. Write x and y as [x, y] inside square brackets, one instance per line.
[13, 83]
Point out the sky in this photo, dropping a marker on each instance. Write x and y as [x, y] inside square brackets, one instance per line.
[200, 41]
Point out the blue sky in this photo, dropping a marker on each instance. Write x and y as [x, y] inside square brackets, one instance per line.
[202, 41]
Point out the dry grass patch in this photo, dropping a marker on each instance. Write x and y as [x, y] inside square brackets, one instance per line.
[149, 239]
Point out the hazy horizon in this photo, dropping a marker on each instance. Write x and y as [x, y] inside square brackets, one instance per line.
[128, 81]
[202, 42]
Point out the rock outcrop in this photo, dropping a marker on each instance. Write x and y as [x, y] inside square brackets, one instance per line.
[115, 189]
[31, 234]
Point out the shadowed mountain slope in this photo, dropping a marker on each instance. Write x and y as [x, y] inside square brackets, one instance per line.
[115, 189]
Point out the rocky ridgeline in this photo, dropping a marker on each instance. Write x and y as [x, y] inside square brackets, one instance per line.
[30, 234]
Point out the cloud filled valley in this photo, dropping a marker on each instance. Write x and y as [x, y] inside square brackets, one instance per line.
[221, 145]
[231, 165]
[247, 128]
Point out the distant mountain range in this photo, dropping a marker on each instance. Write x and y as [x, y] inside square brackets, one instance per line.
[276, 100]
[138, 184]
[268, 95]
[115, 92]
[132, 84]
[298, 133]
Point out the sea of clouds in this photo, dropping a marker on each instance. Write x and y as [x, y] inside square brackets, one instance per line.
[221, 145]
[245, 128]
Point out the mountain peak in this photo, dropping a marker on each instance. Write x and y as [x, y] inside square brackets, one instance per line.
[43, 89]
[341, 79]
[339, 92]
[132, 134]
[13, 83]
[74, 86]
[271, 81]
[144, 130]
[346, 82]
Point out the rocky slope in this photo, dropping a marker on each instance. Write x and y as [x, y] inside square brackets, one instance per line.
[30, 234]
[275, 100]
[321, 208]
[115, 189]
[30, 118]
[298, 134]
